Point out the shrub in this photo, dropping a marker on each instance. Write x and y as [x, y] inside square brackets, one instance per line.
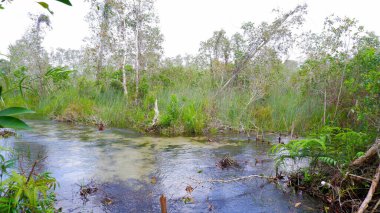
[332, 146]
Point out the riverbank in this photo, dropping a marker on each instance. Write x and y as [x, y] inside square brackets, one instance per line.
[187, 106]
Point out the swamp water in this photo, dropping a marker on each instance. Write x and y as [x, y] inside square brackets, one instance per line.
[132, 171]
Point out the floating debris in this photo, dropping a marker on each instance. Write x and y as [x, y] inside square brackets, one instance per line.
[189, 189]
[87, 189]
[188, 199]
[227, 162]
[153, 180]
[107, 201]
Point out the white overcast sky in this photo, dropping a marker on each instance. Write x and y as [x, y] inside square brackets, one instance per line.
[184, 23]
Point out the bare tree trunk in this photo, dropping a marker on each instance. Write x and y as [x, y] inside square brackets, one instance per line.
[124, 60]
[137, 63]
[339, 94]
[125, 89]
[254, 48]
[99, 63]
[325, 108]
[138, 50]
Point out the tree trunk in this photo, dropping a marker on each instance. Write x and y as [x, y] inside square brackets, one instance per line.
[137, 62]
[137, 11]
[325, 107]
[99, 63]
[124, 60]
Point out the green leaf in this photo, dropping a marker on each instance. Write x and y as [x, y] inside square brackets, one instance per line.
[15, 111]
[67, 2]
[20, 87]
[12, 122]
[46, 6]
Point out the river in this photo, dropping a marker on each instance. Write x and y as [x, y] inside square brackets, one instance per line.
[133, 170]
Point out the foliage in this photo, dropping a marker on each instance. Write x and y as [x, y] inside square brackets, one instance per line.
[172, 112]
[7, 119]
[332, 146]
[21, 192]
[27, 194]
[363, 85]
[43, 4]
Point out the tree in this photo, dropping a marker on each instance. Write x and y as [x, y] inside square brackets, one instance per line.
[277, 35]
[217, 50]
[328, 54]
[29, 53]
[100, 42]
[147, 37]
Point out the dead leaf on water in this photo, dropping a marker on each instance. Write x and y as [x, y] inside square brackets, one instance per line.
[153, 180]
[189, 189]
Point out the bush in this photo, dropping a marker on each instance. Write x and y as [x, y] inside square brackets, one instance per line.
[332, 146]
[172, 112]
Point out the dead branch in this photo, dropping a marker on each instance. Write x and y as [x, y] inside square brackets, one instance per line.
[371, 191]
[372, 152]
[156, 114]
[269, 178]
[376, 206]
[33, 168]
[357, 177]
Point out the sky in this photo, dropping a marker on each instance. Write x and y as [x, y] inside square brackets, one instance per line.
[184, 23]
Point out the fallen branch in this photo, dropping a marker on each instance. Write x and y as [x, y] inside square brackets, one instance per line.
[372, 152]
[377, 205]
[371, 191]
[236, 179]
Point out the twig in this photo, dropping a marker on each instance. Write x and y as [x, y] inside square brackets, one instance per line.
[377, 205]
[31, 171]
[33, 167]
[360, 177]
[371, 191]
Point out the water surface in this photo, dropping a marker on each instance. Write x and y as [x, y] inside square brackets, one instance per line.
[133, 170]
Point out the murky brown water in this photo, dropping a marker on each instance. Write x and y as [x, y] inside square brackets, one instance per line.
[123, 163]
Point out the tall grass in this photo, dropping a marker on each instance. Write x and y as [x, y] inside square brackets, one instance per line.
[187, 102]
